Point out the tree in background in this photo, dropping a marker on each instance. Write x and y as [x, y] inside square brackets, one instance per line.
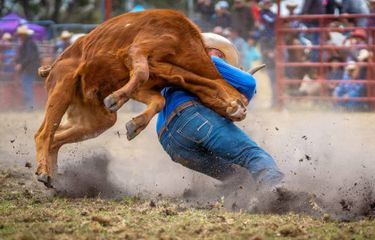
[79, 11]
[60, 11]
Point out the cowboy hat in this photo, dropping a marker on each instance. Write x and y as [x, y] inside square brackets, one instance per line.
[65, 34]
[291, 4]
[359, 33]
[363, 55]
[6, 36]
[231, 55]
[24, 30]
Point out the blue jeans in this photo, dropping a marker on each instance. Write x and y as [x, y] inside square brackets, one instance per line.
[200, 139]
[27, 88]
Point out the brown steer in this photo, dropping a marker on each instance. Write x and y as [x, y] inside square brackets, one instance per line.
[134, 55]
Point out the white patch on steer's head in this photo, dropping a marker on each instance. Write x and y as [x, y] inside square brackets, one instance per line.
[127, 25]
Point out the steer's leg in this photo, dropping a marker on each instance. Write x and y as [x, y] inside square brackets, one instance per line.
[136, 59]
[58, 101]
[139, 73]
[212, 93]
[85, 121]
[155, 102]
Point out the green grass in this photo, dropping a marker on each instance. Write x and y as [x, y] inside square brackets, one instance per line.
[31, 214]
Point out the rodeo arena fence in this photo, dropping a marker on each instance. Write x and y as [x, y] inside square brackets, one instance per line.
[11, 91]
[291, 70]
[297, 65]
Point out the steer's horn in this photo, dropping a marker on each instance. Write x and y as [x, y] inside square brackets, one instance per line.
[256, 69]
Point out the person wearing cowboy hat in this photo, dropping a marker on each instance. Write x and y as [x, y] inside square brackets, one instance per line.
[200, 139]
[345, 91]
[64, 42]
[242, 19]
[7, 55]
[28, 63]
[291, 5]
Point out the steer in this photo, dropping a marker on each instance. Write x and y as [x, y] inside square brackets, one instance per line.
[134, 55]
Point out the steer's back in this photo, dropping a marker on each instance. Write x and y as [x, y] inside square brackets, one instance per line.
[121, 31]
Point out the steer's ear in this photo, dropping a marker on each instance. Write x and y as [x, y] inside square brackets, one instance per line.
[256, 69]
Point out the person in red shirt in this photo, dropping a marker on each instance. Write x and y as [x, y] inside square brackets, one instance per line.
[255, 10]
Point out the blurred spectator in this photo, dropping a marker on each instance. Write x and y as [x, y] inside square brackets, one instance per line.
[251, 53]
[255, 11]
[335, 37]
[356, 7]
[206, 8]
[345, 90]
[295, 55]
[357, 38]
[218, 30]
[238, 42]
[27, 63]
[268, 19]
[332, 7]
[309, 85]
[242, 18]
[291, 7]
[313, 7]
[63, 42]
[222, 16]
[371, 21]
[138, 8]
[267, 43]
[8, 54]
[335, 71]
[363, 57]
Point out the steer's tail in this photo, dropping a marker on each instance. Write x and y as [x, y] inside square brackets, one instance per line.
[43, 71]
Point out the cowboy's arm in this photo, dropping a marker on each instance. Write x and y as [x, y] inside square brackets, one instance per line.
[241, 80]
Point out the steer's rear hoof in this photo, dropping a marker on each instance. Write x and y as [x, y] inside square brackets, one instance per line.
[44, 178]
[131, 130]
[111, 103]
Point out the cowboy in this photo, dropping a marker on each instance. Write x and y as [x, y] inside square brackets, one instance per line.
[27, 63]
[64, 42]
[200, 139]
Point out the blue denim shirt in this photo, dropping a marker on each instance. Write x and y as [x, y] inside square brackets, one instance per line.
[174, 96]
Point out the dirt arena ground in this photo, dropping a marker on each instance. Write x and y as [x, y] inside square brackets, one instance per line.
[110, 188]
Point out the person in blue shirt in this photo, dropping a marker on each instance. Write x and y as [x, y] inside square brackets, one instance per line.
[346, 90]
[202, 140]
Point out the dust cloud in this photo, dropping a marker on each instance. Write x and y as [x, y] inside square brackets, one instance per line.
[326, 156]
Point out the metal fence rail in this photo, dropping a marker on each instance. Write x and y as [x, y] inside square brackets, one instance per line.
[323, 49]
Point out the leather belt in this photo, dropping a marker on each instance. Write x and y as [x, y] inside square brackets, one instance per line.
[173, 114]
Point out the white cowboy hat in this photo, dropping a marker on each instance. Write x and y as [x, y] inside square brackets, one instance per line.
[24, 30]
[231, 55]
[363, 55]
[291, 4]
[6, 36]
[65, 34]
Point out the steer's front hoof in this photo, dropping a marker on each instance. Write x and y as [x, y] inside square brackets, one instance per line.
[44, 178]
[111, 103]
